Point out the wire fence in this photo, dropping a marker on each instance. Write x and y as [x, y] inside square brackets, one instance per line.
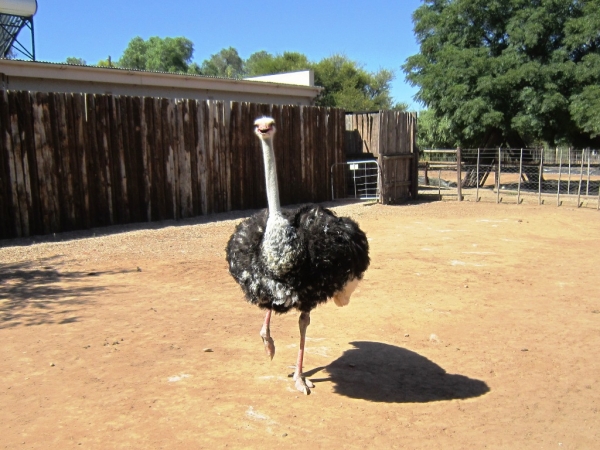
[561, 176]
[361, 180]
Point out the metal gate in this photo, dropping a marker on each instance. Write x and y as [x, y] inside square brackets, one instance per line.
[361, 180]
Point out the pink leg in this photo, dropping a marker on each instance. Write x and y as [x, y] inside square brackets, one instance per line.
[302, 384]
[265, 334]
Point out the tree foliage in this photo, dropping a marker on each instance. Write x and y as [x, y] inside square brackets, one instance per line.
[76, 61]
[434, 132]
[264, 63]
[159, 54]
[346, 83]
[511, 72]
[227, 63]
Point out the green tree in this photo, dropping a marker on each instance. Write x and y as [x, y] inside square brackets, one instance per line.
[433, 132]
[227, 63]
[400, 106]
[508, 71]
[347, 85]
[108, 62]
[582, 37]
[159, 54]
[263, 63]
[75, 61]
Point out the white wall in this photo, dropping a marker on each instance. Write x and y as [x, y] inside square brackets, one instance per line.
[302, 78]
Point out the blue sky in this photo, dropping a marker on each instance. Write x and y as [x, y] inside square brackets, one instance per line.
[376, 33]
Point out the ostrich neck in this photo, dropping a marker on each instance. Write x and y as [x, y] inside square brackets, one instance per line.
[280, 247]
[271, 179]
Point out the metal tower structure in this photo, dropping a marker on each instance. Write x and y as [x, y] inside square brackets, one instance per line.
[16, 15]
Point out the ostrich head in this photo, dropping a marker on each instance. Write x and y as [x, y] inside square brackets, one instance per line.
[265, 128]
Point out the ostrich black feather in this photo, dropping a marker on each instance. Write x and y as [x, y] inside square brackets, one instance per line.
[324, 251]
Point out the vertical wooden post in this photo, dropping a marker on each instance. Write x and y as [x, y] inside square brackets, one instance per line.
[415, 150]
[332, 184]
[477, 174]
[458, 174]
[520, 175]
[440, 184]
[540, 177]
[498, 170]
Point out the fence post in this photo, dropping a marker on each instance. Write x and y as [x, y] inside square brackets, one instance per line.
[415, 172]
[559, 174]
[332, 190]
[458, 174]
[498, 170]
[580, 179]
[587, 186]
[477, 174]
[540, 177]
[569, 179]
[520, 175]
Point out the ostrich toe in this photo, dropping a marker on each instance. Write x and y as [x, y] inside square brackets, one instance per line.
[303, 384]
[269, 346]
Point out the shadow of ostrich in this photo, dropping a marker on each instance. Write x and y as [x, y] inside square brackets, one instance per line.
[385, 373]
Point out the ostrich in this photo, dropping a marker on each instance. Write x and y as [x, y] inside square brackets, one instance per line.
[284, 259]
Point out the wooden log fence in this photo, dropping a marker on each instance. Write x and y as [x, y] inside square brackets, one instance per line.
[76, 161]
[389, 137]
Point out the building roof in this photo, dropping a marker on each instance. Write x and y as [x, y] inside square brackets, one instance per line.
[117, 75]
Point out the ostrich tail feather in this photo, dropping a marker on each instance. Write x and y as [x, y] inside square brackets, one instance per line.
[342, 298]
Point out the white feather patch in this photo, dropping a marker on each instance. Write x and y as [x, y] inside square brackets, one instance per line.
[342, 297]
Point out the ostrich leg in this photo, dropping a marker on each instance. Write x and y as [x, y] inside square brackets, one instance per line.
[265, 334]
[302, 384]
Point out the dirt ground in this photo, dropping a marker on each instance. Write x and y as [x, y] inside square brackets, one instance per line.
[476, 326]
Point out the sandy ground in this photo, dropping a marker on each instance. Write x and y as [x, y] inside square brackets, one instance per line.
[476, 326]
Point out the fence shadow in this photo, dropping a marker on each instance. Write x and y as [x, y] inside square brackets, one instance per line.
[158, 225]
[385, 373]
[42, 294]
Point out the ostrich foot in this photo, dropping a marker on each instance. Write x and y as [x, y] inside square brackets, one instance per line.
[268, 342]
[303, 384]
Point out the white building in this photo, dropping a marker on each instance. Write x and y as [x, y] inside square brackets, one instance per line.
[295, 88]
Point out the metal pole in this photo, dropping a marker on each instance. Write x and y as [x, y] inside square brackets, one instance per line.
[498, 175]
[587, 187]
[520, 175]
[569, 180]
[559, 173]
[32, 41]
[477, 171]
[540, 177]
[580, 179]
[458, 174]
[598, 207]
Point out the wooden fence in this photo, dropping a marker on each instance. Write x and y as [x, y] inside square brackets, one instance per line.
[389, 137]
[75, 161]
